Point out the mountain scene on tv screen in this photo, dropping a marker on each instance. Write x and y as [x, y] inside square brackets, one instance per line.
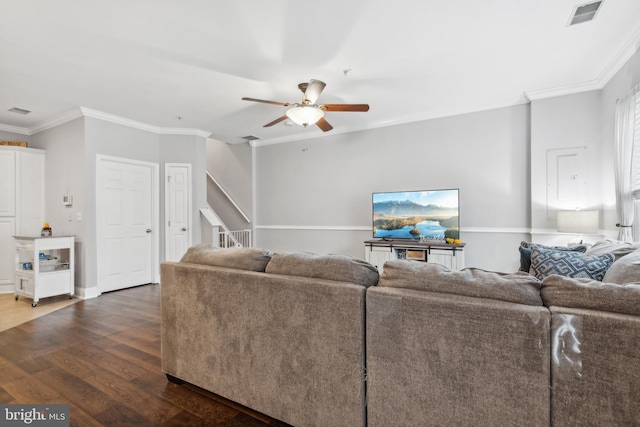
[407, 219]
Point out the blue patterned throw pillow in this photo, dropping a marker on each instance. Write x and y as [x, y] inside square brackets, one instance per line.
[547, 261]
[525, 252]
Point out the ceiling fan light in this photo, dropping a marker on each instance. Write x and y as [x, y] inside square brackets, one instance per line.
[305, 115]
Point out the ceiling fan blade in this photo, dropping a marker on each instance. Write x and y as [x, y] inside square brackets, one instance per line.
[266, 102]
[345, 107]
[314, 89]
[276, 121]
[324, 125]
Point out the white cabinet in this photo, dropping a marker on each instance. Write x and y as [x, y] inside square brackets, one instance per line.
[40, 276]
[7, 231]
[377, 252]
[21, 203]
[7, 182]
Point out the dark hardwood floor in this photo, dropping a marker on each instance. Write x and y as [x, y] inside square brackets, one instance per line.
[102, 357]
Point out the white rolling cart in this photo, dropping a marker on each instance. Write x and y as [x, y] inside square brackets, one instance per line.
[48, 275]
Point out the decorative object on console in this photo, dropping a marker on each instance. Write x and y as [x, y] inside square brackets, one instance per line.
[577, 222]
[46, 230]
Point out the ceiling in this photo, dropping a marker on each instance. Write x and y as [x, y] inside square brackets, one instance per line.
[187, 64]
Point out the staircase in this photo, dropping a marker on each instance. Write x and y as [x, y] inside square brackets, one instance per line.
[215, 230]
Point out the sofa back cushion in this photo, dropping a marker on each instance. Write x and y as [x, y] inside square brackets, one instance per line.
[342, 268]
[519, 287]
[615, 247]
[251, 259]
[560, 291]
[625, 270]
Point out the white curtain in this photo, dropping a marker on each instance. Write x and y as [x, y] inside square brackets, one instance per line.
[624, 128]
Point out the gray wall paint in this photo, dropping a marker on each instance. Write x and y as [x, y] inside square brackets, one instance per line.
[65, 173]
[564, 122]
[10, 136]
[71, 151]
[620, 85]
[316, 194]
[231, 166]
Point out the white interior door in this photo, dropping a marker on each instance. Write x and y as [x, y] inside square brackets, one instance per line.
[177, 210]
[126, 240]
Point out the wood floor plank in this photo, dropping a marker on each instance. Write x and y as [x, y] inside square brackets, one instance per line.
[137, 399]
[68, 360]
[78, 391]
[102, 357]
[136, 357]
[31, 390]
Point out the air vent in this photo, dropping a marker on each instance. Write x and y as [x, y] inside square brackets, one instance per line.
[250, 137]
[19, 110]
[585, 12]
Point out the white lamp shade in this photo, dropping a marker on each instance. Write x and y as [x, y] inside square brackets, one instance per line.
[577, 222]
[305, 115]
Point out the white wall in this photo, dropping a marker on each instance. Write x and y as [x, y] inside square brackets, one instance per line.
[315, 194]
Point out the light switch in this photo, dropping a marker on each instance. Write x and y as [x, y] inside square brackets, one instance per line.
[69, 216]
[78, 216]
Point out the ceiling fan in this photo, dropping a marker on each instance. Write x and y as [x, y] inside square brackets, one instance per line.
[308, 112]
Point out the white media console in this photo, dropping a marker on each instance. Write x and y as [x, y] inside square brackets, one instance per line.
[377, 252]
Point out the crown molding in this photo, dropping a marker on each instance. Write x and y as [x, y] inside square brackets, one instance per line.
[88, 112]
[14, 129]
[621, 58]
[65, 117]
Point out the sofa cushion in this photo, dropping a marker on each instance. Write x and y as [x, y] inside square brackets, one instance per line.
[560, 291]
[525, 253]
[519, 287]
[547, 261]
[342, 268]
[251, 259]
[624, 270]
[615, 247]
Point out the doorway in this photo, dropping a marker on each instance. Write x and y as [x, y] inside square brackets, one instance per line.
[126, 223]
[177, 199]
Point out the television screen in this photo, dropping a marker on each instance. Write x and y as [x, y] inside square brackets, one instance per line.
[431, 214]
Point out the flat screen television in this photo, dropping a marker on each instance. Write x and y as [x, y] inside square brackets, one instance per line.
[428, 214]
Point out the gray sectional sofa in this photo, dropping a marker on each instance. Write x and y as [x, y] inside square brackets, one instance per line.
[282, 334]
[320, 341]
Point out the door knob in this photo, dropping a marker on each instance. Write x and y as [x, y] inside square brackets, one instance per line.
[148, 230]
[184, 228]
